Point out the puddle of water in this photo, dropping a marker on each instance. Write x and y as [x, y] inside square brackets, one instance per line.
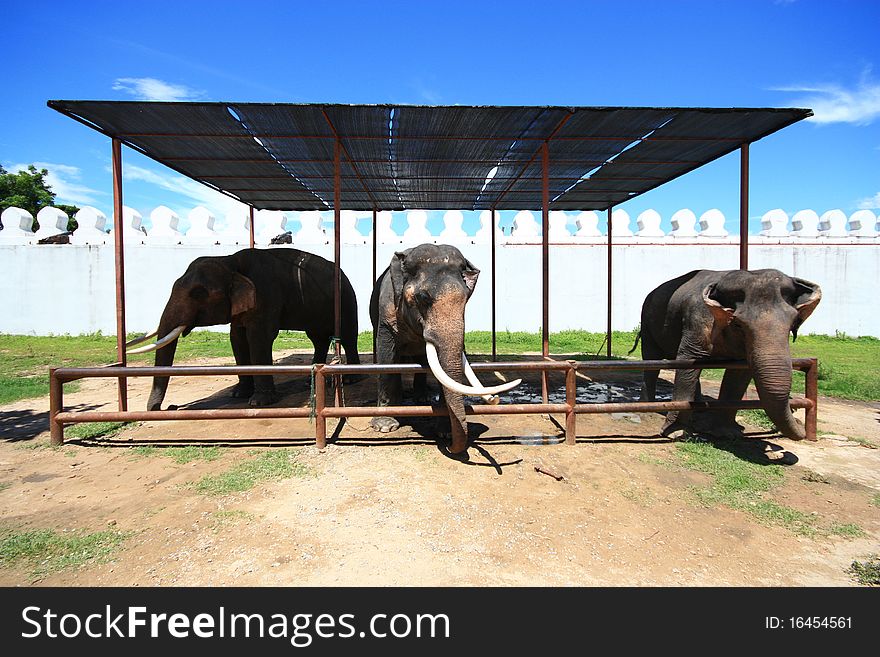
[587, 393]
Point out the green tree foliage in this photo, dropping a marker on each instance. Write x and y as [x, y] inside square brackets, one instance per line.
[29, 191]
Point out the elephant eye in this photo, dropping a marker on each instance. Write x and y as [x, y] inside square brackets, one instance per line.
[423, 297]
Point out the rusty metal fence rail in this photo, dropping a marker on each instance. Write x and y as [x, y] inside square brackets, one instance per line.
[321, 411]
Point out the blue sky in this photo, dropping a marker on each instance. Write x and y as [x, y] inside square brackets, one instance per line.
[744, 53]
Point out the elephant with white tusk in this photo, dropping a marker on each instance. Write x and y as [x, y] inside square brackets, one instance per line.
[257, 292]
[417, 309]
[736, 315]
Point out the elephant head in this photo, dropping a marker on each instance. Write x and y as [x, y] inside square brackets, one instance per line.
[760, 308]
[210, 292]
[431, 286]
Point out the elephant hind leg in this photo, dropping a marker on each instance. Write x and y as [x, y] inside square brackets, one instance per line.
[260, 342]
[321, 343]
[650, 351]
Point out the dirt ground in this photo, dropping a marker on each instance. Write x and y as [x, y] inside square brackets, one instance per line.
[392, 510]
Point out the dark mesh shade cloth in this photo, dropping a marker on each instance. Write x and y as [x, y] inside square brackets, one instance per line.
[398, 157]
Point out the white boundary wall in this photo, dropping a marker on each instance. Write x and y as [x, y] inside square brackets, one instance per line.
[69, 289]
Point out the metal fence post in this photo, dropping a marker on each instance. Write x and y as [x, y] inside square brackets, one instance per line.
[320, 419]
[811, 392]
[56, 403]
[570, 401]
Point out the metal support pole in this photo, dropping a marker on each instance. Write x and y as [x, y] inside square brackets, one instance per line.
[337, 271]
[251, 226]
[56, 403]
[119, 246]
[374, 277]
[320, 402]
[570, 401]
[494, 346]
[811, 392]
[744, 207]
[545, 262]
[608, 326]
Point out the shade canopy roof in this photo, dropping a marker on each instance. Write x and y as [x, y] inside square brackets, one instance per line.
[399, 157]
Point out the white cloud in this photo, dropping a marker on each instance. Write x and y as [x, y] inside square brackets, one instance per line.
[153, 89]
[872, 203]
[63, 179]
[834, 103]
[218, 203]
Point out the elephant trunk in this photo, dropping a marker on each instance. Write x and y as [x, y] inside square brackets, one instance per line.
[771, 366]
[449, 342]
[164, 358]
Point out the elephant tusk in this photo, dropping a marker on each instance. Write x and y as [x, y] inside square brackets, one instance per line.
[448, 382]
[472, 377]
[171, 337]
[145, 336]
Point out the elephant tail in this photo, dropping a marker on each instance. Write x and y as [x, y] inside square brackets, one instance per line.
[636, 344]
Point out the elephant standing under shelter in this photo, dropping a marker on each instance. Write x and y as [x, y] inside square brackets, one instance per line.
[417, 309]
[257, 292]
[737, 315]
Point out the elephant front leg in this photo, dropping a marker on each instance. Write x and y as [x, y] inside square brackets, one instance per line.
[685, 388]
[390, 391]
[420, 383]
[390, 394]
[723, 423]
[242, 352]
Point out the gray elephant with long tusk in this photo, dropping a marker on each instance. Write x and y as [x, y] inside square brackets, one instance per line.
[257, 292]
[736, 315]
[417, 308]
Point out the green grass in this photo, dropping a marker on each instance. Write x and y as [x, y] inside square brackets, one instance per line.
[94, 430]
[143, 451]
[4, 485]
[847, 530]
[875, 501]
[184, 455]
[845, 364]
[757, 418]
[230, 517]
[180, 455]
[45, 551]
[740, 485]
[563, 342]
[265, 466]
[866, 573]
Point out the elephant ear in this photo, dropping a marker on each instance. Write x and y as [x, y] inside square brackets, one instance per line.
[808, 297]
[723, 316]
[242, 295]
[398, 271]
[470, 274]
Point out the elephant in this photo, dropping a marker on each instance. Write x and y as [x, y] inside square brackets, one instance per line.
[417, 310]
[736, 314]
[257, 292]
